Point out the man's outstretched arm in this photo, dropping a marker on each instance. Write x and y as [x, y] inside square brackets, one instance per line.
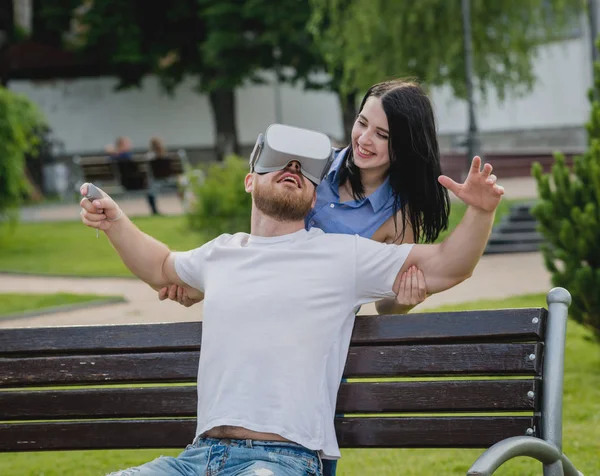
[147, 258]
[448, 263]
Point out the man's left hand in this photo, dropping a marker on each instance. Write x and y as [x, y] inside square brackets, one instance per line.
[181, 295]
[479, 189]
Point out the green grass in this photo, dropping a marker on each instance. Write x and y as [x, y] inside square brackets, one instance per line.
[13, 303]
[69, 248]
[581, 429]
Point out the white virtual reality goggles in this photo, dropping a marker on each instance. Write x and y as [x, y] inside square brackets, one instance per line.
[281, 144]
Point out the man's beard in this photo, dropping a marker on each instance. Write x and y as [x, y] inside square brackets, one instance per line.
[280, 205]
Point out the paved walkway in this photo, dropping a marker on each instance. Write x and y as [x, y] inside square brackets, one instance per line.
[167, 204]
[496, 276]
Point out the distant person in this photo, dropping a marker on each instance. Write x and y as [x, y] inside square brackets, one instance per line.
[122, 151]
[156, 149]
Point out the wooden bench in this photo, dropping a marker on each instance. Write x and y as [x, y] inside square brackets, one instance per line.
[139, 173]
[523, 343]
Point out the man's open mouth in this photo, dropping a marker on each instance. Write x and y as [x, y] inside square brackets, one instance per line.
[291, 178]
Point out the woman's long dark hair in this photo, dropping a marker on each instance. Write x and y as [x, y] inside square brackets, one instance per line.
[414, 160]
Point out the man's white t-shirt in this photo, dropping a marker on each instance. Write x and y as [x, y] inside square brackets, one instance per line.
[278, 316]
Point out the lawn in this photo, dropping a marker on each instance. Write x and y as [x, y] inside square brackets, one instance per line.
[581, 429]
[14, 303]
[69, 248]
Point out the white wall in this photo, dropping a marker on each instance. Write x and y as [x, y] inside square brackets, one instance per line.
[558, 99]
[87, 114]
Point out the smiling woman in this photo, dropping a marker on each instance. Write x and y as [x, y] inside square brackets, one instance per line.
[384, 185]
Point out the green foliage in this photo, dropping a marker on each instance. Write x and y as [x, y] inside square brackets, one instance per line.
[218, 45]
[371, 40]
[221, 202]
[569, 218]
[20, 121]
[221, 44]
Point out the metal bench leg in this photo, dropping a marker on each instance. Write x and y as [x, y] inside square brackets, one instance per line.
[555, 469]
[498, 454]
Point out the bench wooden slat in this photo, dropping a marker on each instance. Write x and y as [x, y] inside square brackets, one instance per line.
[462, 432]
[459, 432]
[432, 360]
[438, 396]
[497, 325]
[376, 361]
[480, 326]
[361, 397]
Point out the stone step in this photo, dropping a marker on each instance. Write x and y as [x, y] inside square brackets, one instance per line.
[519, 237]
[515, 226]
[511, 248]
[516, 233]
[519, 216]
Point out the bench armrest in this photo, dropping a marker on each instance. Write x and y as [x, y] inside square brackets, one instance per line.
[509, 448]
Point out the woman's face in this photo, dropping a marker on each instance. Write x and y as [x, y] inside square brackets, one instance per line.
[370, 137]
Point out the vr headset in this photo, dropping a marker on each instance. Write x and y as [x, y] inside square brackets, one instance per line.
[281, 144]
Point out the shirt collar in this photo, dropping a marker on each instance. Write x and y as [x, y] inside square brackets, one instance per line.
[334, 170]
[380, 197]
[377, 199]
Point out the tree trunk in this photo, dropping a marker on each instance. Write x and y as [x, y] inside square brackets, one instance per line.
[349, 113]
[222, 102]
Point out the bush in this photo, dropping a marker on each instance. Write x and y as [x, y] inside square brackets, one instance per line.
[221, 204]
[20, 123]
[569, 218]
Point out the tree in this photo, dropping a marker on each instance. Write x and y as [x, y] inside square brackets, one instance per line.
[568, 214]
[323, 26]
[373, 40]
[220, 44]
[20, 123]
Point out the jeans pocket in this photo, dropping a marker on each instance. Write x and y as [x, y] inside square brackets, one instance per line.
[301, 464]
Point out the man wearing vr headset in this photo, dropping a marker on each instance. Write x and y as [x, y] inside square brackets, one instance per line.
[279, 307]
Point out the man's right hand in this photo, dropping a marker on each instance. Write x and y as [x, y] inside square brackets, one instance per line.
[185, 297]
[100, 213]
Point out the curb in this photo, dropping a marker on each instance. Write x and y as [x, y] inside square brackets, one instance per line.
[66, 308]
[9, 272]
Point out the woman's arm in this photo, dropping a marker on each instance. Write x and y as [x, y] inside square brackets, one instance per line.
[410, 287]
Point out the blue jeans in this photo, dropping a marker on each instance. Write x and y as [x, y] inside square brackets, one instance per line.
[329, 467]
[214, 457]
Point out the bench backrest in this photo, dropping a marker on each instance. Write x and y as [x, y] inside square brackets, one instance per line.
[133, 174]
[456, 379]
[165, 167]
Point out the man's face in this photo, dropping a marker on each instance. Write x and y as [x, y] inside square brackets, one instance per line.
[285, 195]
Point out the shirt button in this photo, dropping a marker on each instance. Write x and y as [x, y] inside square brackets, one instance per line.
[312, 222]
[332, 205]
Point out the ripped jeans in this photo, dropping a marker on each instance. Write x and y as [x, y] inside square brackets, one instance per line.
[215, 457]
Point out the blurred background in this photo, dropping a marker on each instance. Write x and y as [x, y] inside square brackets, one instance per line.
[182, 89]
[208, 76]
